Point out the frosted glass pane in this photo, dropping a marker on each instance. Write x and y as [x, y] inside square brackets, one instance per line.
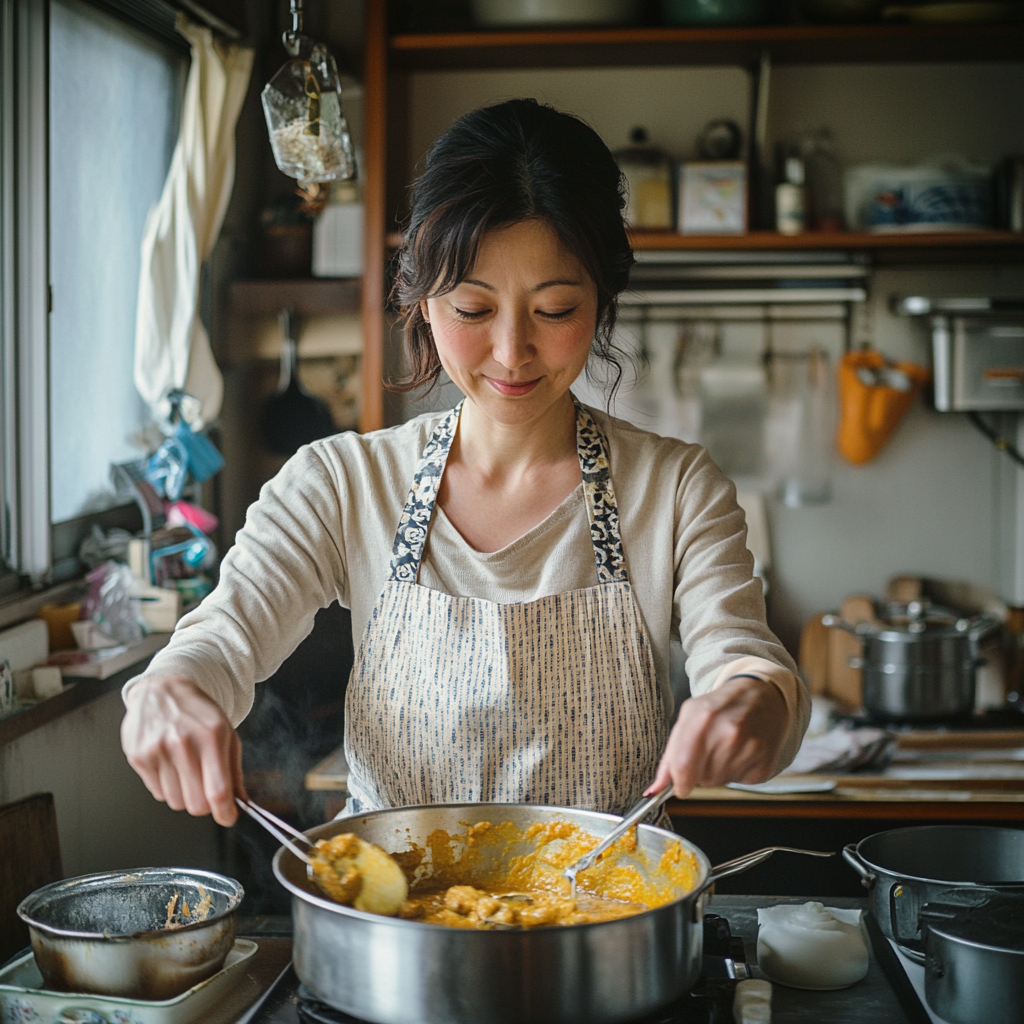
[113, 124]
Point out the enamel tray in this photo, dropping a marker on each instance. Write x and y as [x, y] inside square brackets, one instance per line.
[23, 1001]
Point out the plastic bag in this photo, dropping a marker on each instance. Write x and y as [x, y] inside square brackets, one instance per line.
[109, 603]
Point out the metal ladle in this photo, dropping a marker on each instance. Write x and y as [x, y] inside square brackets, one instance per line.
[639, 811]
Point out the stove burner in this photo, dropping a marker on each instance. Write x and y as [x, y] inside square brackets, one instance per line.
[312, 1011]
[710, 1002]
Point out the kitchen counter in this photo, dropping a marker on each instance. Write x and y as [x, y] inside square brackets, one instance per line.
[871, 1001]
[934, 775]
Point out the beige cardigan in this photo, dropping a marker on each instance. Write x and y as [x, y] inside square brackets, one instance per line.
[323, 528]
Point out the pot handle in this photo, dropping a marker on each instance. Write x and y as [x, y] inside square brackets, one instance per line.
[982, 625]
[859, 629]
[850, 855]
[895, 891]
[835, 622]
[750, 860]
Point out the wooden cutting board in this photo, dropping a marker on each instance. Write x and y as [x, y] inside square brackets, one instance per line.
[844, 680]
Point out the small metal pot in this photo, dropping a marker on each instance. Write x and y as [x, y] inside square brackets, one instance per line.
[905, 868]
[919, 662]
[974, 957]
[108, 933]
[391, 971]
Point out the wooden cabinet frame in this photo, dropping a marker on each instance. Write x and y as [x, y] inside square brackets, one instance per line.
[389, 59]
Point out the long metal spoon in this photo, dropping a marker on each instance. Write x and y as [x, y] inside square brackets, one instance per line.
[639, 811]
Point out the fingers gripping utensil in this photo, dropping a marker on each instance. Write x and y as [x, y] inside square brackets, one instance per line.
[639, 811]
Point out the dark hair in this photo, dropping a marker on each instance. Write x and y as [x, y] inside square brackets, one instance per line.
[503, 165]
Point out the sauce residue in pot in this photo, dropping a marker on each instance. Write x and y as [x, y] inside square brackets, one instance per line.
[180, 914]
[497, 875]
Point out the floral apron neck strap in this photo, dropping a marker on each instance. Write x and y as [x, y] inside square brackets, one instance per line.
[602, 510]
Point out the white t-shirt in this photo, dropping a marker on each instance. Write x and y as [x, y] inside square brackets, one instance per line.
[323, 528]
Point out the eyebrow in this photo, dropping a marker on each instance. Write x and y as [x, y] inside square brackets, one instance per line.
[536, 288]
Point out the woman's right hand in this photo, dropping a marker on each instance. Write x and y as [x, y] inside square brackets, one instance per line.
[183, 747]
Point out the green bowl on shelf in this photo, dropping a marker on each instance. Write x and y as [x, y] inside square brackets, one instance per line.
[714, 12]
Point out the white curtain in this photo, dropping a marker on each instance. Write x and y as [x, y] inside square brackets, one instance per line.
[172, 349]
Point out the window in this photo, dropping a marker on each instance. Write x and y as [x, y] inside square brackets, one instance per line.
[113, 113]
[89, 116]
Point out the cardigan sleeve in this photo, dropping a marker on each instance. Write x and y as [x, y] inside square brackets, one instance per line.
[720, 603]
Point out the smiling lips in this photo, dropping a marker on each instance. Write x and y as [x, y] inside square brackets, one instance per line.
[513, 387]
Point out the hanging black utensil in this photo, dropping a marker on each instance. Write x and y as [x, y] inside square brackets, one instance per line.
[292, 417]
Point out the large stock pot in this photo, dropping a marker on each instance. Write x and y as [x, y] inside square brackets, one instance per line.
[404, 972]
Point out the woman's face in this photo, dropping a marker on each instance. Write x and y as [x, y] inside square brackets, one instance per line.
[517, 331]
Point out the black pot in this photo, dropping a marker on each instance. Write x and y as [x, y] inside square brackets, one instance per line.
[974, 957]
[906, 868]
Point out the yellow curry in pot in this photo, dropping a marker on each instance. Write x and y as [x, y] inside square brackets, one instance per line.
[501, 876]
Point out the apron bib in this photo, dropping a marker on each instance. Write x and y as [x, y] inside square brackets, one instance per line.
[458, 699]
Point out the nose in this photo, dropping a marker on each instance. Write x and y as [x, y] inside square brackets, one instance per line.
[512, 342]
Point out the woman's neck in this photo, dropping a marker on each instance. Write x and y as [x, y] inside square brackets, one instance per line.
[497, 451]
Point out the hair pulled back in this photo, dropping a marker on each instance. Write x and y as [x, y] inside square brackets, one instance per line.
[498, 166]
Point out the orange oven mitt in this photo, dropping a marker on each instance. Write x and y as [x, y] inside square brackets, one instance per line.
[874, 396]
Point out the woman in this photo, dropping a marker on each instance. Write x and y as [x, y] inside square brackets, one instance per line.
[513, 631]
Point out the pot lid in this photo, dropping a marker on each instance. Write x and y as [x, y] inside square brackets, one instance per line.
[982, 917]
[917, 618]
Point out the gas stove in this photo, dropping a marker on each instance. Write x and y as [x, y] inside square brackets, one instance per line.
[710, 1001]
[884, 997]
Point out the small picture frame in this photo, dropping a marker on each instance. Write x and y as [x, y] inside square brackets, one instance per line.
[713, 198]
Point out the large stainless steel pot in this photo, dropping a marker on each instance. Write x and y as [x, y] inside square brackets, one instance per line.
[107, 933]
[906, 868]
[974, 957]
[919, 661]
[404, 972]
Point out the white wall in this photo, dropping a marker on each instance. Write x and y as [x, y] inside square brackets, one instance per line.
[105, 816]
[939, 500]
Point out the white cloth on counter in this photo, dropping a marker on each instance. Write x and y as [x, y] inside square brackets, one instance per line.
[322, 531]
[844, 749]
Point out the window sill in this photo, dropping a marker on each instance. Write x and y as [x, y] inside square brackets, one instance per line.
[24, 604]
[76, 694]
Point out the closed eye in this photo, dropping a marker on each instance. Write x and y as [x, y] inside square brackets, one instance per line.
[560, 315]
[465, 314]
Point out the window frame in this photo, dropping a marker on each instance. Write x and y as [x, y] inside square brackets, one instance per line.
[25, 287]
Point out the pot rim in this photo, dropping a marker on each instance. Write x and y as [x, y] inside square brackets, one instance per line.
[936, 881]
[363, 915]
[189, 876]
[960, 941]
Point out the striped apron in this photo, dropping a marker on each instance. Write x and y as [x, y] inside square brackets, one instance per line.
[552, 701]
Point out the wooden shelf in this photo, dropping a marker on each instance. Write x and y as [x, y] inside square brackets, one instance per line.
[306, 297]
[785, 44]
[766, 240]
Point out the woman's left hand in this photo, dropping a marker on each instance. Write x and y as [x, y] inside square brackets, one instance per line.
[732, 734]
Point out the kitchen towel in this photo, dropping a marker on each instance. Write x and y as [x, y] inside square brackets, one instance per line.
[843, 749]
[172, 348]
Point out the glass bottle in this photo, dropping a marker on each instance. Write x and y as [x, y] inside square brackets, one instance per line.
[309, 134]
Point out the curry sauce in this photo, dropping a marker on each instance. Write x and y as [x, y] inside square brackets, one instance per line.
[499, 876]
